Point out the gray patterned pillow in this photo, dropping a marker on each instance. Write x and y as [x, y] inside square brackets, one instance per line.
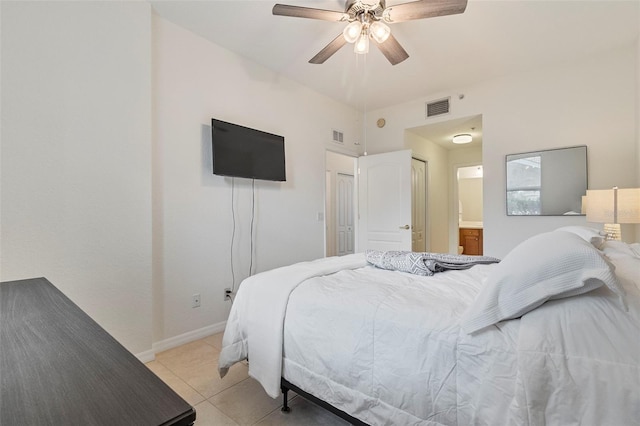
[411, 262]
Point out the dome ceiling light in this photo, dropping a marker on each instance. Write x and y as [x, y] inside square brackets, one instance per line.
[462, 138]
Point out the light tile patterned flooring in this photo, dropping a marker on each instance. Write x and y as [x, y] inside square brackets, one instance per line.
[237, 400]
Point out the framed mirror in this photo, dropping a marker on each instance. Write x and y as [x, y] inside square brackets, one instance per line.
[546, 183]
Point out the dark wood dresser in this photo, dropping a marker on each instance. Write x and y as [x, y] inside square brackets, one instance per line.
[59, 367]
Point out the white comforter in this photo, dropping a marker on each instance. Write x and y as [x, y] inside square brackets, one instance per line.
[387, 348]
[257, 316]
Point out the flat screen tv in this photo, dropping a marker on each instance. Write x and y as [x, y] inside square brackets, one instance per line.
[239, 151]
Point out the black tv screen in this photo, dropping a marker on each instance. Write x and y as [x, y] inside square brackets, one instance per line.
[239, 151]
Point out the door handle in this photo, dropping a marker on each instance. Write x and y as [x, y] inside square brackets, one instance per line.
[405, 227]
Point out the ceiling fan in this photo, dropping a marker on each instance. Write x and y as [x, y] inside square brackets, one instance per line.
[366, 20]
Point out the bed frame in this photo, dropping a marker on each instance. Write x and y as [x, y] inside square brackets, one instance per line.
[286, 386]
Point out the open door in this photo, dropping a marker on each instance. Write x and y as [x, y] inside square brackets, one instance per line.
[384, 200]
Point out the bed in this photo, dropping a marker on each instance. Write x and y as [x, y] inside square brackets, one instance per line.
[550, 335]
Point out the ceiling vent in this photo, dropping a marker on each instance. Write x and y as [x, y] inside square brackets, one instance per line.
[338, 136]
[438, 107]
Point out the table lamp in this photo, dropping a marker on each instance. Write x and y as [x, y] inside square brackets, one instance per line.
[613, 207]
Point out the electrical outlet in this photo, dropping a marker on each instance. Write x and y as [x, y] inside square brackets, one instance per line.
[195, 301]
[227, 294]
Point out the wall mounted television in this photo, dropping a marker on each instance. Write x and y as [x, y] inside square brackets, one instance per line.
[239, 151]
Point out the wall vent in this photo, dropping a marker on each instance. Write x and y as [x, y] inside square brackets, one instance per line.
[438, 107]
[338, 136]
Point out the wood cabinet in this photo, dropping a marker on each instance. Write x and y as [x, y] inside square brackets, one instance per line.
[471, 241]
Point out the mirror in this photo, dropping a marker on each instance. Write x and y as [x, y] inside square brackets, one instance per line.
[547, 183]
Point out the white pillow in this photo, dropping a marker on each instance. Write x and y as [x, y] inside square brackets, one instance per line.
[547, 266]
[626, 258]
[591, 235]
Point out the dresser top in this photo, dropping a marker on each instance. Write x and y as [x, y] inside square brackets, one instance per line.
[59, 367]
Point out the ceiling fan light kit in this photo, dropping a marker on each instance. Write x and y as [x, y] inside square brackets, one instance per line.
[365, 18]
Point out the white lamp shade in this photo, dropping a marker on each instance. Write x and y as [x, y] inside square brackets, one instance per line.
[618, 205]
[379, 31]
[352, 31]
[600, 206]
[362, 44]
[629, 205]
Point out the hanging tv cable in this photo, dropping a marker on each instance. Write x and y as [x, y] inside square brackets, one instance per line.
[233, 235]
[253, 213]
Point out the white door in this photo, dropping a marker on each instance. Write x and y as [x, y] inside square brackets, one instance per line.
[345, 225]
[418, 205]
[384, 195]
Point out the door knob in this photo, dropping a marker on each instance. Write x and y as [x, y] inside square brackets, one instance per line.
[405, 227]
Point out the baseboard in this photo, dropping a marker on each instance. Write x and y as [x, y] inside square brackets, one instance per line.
[173, 342]
[146, 356]
[187, 337]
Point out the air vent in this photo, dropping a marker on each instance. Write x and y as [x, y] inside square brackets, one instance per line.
[338, 136]
[438, 107]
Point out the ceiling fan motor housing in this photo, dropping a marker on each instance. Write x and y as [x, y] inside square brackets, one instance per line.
[357, 7]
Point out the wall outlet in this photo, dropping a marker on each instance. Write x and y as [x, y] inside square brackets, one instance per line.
[227, 294]
[195, 301]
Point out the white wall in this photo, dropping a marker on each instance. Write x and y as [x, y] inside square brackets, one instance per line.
[470, 195]
[84, 183]
[76, 149]
[590, 102]
[194, 81]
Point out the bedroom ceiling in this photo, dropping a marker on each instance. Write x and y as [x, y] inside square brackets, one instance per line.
[491, 39]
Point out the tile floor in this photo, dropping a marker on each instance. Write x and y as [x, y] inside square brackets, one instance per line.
[237, 400]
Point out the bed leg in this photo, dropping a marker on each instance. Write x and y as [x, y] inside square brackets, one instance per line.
[285, 400]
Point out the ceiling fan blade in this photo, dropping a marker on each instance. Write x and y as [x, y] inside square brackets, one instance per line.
[308, 12]
[423, 9]
[392, 50]
[328, 50]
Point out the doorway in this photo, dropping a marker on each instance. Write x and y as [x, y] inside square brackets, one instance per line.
[434, 142]
[470, 222]
[339, 204]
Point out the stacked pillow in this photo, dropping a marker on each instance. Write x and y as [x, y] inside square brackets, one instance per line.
[552, 265]
[594, 236]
